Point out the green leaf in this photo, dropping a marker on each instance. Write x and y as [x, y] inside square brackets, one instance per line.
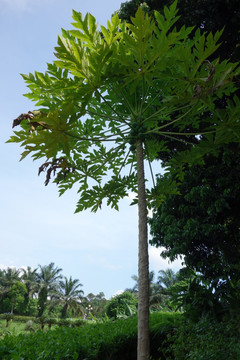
[143, 80]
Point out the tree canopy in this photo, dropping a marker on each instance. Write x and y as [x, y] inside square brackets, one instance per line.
[207, 15]
[203, 224]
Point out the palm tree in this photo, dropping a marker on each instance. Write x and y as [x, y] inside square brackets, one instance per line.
[7, 279]
[48, 282]
[29, 278]
[151, 283]
[167, 278]
[9, 276]
[69, 295]
[3, 288]
[155, 293]
[10, 286]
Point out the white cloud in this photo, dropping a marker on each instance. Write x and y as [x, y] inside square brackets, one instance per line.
[158, 263]
[5, 267]
[119, 292]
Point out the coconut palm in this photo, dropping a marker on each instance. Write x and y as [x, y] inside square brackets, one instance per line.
[69, 295]
[48, 281]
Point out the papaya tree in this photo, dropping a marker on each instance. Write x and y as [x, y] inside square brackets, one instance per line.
[109, 97]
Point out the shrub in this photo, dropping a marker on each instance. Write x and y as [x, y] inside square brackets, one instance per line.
[115, 340]
[78, 322]
[122, 305]
[206, 339]
[64, 322]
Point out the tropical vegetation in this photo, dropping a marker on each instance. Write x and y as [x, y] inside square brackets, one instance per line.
[40, 291]
[116, 98]
[65, 297]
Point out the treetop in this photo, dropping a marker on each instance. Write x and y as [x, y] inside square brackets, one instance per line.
[113, 86]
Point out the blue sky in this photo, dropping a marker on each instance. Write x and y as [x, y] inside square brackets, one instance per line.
[38, 227]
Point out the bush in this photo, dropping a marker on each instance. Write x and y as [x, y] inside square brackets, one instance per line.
[64, 322]
[206, 339]
[78, 322]
[115, 340]
[23, 319]
[122, 305]
[172, 337]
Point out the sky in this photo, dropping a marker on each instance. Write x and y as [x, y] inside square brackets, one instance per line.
[37, 226]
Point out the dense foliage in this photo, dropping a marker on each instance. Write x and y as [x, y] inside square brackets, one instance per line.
[66, 299]
[172, 338]
[139, 84]
[110, 340]
[203, 224]
[122, 305]
[205, 339]
[206, 15]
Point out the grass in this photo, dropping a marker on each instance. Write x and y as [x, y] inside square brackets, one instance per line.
[14, 328]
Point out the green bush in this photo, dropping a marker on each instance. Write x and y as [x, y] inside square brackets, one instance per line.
[23, 319]
[115, 340]
[122, 305]
[78, 322]
[206, 339]
[17, 318]
[172, 337]
[64, 322]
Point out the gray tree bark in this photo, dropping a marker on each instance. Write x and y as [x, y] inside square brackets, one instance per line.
[143, 350]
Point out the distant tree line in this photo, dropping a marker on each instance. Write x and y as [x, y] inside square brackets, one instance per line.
[44, 290]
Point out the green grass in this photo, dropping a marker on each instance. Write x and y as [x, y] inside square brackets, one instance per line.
[14, 328]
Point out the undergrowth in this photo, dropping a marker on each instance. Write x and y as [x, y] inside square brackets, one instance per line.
[172, 337]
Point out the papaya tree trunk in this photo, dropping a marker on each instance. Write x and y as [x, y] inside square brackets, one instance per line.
[143, 262]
